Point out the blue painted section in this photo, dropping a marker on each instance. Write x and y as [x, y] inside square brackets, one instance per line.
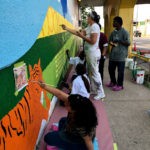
[64, 7]
[60, 7]
[20, 24]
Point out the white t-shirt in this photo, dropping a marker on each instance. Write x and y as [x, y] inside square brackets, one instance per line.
[76, 60]
[78, 87]
[92, 48]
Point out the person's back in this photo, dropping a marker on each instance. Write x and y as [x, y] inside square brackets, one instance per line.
[78, 86]
[76, 131]
[81, 84]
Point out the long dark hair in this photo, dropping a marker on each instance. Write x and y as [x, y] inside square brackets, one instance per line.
[84, 111]
[95, 17]
[81, 70]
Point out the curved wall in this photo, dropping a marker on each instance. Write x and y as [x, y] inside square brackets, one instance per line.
[30, 32]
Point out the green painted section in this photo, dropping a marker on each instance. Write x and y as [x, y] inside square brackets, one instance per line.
[51, 51]
[56, 70]
[19, 64]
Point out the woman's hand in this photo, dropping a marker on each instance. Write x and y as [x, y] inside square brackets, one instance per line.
[42, 84]
[113, 44]
[80, 34]
[83, 32]
[58, 93]
[73, 31]
[63, 27]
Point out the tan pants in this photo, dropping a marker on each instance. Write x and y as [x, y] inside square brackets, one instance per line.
[94, 75]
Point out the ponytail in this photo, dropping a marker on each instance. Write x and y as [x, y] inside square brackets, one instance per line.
[95, 17]
[86, 83]
[100, 26]
[81, 70]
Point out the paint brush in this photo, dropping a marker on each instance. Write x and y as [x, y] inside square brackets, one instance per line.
[113, 44]
[33, 81]
[63, 26]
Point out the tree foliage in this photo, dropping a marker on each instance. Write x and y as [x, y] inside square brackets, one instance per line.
[84, 13]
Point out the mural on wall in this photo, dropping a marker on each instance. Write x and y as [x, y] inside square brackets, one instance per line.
[64, 7]
[20, 29]
[32, 36]
[22, 120]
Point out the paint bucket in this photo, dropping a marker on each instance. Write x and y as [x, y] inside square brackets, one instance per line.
[127, 62]
[134, 72]
[140, 76]
[132, 65]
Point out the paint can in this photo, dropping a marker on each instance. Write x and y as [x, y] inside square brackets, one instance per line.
[127, 62]
[140, 76]
[132, 65]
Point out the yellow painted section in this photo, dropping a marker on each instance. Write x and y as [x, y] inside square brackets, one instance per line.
[140, 57]
[128, 3]
[52, 23]
[111, 22]
[127, 16]
[124, 9]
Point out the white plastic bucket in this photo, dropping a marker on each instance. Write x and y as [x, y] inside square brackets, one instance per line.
[127, 62]
[140, 76]
[132, 65]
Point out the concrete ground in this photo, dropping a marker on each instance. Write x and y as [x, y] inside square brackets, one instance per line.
[127, 114]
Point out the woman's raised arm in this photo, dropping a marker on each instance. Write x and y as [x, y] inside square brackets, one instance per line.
[58, 93]
[91, 40]
[69, 29]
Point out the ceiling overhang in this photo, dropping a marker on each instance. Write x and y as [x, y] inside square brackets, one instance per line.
[143, 2]
[89, 3]
[94, 3]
